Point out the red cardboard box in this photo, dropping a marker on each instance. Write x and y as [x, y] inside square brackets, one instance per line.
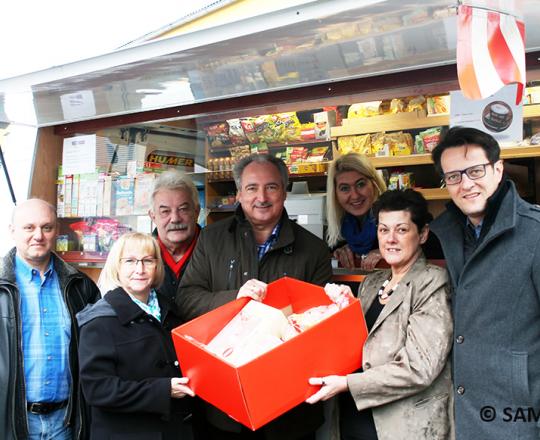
[270, 385]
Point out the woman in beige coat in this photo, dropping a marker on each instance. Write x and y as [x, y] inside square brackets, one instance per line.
[404, 389]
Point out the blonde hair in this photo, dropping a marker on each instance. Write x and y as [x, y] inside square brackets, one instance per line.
[334, 211]
[109, 280]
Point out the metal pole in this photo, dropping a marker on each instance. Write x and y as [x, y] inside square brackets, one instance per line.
[8, 180]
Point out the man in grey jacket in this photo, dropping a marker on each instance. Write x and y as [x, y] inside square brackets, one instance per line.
[491, 241]
[39, 298]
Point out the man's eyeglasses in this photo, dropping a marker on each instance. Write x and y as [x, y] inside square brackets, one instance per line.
[132, 262]
[473, 173]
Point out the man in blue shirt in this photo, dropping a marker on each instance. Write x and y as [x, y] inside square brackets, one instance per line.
[39, 297]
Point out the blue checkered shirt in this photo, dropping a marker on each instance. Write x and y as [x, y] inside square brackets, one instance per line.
[46, 333]
[262, 249]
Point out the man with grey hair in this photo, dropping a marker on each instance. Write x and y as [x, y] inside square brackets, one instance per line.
[174, 210]
[39, 297]
[237, 257]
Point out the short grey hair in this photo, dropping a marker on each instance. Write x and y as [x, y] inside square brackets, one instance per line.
[241, 165]
[175, 180]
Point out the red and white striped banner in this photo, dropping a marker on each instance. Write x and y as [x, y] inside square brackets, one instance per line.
[490, 52]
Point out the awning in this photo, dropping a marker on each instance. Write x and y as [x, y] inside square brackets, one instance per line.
[319, 42]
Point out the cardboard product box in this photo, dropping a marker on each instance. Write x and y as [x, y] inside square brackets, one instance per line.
[323, 122]
[261, 390]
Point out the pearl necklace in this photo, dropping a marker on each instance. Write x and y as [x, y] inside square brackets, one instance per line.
[385, 295]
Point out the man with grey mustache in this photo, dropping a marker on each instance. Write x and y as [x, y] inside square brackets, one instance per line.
[174, 210]
[237, 257]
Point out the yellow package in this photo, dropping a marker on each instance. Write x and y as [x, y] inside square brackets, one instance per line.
[364, 109]
[401, 144]
[397, 105]
[416, 103]
[379, 147]
[355, 144]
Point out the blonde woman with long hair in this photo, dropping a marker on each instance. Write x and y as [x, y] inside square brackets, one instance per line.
[353, 185]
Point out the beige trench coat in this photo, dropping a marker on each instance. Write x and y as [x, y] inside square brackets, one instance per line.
[406, 378]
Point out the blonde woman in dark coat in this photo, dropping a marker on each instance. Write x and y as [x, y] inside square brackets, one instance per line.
[129, 373]
[404, 389]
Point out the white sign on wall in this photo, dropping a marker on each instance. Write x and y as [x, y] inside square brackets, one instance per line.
[497, 115]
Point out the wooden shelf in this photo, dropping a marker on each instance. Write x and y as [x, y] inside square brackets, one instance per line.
[84, 258]
[405, 121]
[434, 193]
[399, 161]
[395, 122]
[531, 111]
[519, 152]
[310, 142]
[507, 152]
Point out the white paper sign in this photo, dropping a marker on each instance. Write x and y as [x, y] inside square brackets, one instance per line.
[78, 105]
[79, 155]
[497, 115]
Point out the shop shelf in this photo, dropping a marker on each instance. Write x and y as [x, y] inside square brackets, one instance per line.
[405, 121]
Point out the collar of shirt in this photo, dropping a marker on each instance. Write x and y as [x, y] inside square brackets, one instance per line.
[152, 308]
[262, 249]
[477, 229]
[26, 272]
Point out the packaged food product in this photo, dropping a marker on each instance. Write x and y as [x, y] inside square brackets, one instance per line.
[62, 243]
[236, 132]
[218, 135]
[239, 152]
[317, 154]
[416, 103]
[437, 105]
[393, 182]
[323, 122]
[429, 138]
[296, 154]
[307, 131]
[288, 128]
[397, 105]
[364, 109]
[248, 125]
[356, 144]
[406, 180]
[379, 147]
[400, 144]
[260, 148]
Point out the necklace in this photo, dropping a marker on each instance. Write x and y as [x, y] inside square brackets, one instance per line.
[385, 295]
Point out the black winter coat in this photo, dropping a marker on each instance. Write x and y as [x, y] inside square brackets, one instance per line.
[127, 361]
[78, 290]
[224, 258]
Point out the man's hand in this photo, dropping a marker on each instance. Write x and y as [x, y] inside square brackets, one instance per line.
[179, 388]
[330, 386]
[253, 289]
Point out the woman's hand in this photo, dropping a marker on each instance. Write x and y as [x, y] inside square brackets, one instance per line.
[345, 256]
[330, 386]
[369, 261]
[179, 388]
[253, 289]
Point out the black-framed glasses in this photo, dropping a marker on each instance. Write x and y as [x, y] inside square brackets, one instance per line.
[473, 173]
[132, 262]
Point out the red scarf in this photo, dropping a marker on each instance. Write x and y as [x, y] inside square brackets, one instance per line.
[176, 266]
